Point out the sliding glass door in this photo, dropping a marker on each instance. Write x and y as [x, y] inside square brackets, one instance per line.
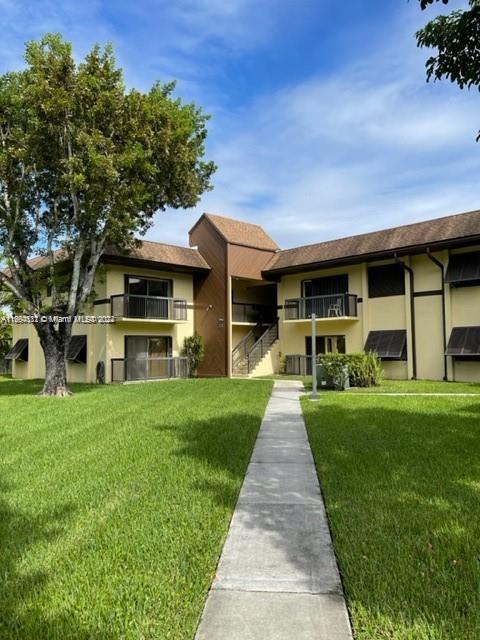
[146, 357]
[147, 297]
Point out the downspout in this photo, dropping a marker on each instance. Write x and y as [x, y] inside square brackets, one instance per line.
[444, 316]
[412, 314]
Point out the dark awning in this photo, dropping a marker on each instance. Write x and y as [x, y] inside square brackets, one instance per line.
[464, 341]
[19, 351]
[75, 348]
[463, 267]
[390, 344]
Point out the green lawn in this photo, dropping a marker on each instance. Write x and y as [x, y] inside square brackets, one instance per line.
[115, 503]
[421, 386]
[399, 386]
[401, 479]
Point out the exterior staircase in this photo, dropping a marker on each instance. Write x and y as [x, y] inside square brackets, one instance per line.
[252, 348]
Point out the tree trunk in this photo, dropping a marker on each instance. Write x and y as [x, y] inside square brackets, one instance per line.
[54, 344]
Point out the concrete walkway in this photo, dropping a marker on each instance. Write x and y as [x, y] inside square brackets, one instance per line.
[277, 578]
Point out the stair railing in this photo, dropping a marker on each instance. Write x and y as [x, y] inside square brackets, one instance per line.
[262, 346]
[240, 353]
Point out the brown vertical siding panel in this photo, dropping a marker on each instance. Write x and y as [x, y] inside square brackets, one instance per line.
[211, 290]
[246, 262]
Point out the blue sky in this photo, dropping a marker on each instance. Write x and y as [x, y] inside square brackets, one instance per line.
[323, 124]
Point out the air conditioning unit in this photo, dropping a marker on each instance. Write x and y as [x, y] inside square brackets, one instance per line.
[325, 381]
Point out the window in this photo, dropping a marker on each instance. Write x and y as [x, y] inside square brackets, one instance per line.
[77, 349]
[464, 269]
[389, 345]
[147, 298]
[19, 351]
[464, 343]
[146, 357]
[137, 286]
[326, 344]
[386, 280]
[329, 285]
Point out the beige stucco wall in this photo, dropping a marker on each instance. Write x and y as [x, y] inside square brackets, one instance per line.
[428, 317]
[270, 364]
[239, 331]
[395, 370]
[466, 371]
[35, 367]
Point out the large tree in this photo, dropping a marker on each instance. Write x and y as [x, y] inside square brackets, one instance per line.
[5, 326]
[456, 37]
[84, 164]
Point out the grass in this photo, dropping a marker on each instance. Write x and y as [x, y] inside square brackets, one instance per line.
[398, 386]
[115, 503]
[401, 479]
[421, 386]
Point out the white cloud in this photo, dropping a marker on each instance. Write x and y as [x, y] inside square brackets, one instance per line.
[370, 147]
[367, 146]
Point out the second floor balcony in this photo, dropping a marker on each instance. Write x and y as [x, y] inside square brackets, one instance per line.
[333, 306]
[149, 308]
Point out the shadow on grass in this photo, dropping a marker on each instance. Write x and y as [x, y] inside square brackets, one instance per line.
[16, 387]
[222, 444]
[20, 614]
[402, 487]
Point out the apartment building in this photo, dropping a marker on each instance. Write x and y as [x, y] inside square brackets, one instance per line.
[410, 293]
[149, 295]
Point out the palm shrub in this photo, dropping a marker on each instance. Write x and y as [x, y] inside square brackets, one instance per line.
[365, 369]
[194, 351]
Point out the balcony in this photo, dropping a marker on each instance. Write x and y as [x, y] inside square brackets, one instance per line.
[142, 369]
[336, 306]
[149, 308]
[247, 313]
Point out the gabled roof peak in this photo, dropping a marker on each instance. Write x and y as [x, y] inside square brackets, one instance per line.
[239, 232]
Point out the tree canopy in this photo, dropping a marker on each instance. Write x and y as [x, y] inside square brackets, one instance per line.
[84, 164]
[456, 36]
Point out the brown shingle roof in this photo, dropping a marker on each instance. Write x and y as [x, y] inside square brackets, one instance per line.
[165, 254]
[460, 226]
[240, 232]
[168, 254]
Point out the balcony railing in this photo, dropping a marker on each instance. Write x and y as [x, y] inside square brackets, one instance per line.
[253, 313]
[135, 369]
[148, 307]
[338, 305]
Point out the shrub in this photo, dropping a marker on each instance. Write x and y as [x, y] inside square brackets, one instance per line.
[5, 335]
[193, 350]
[336, 367]
[363, 369]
